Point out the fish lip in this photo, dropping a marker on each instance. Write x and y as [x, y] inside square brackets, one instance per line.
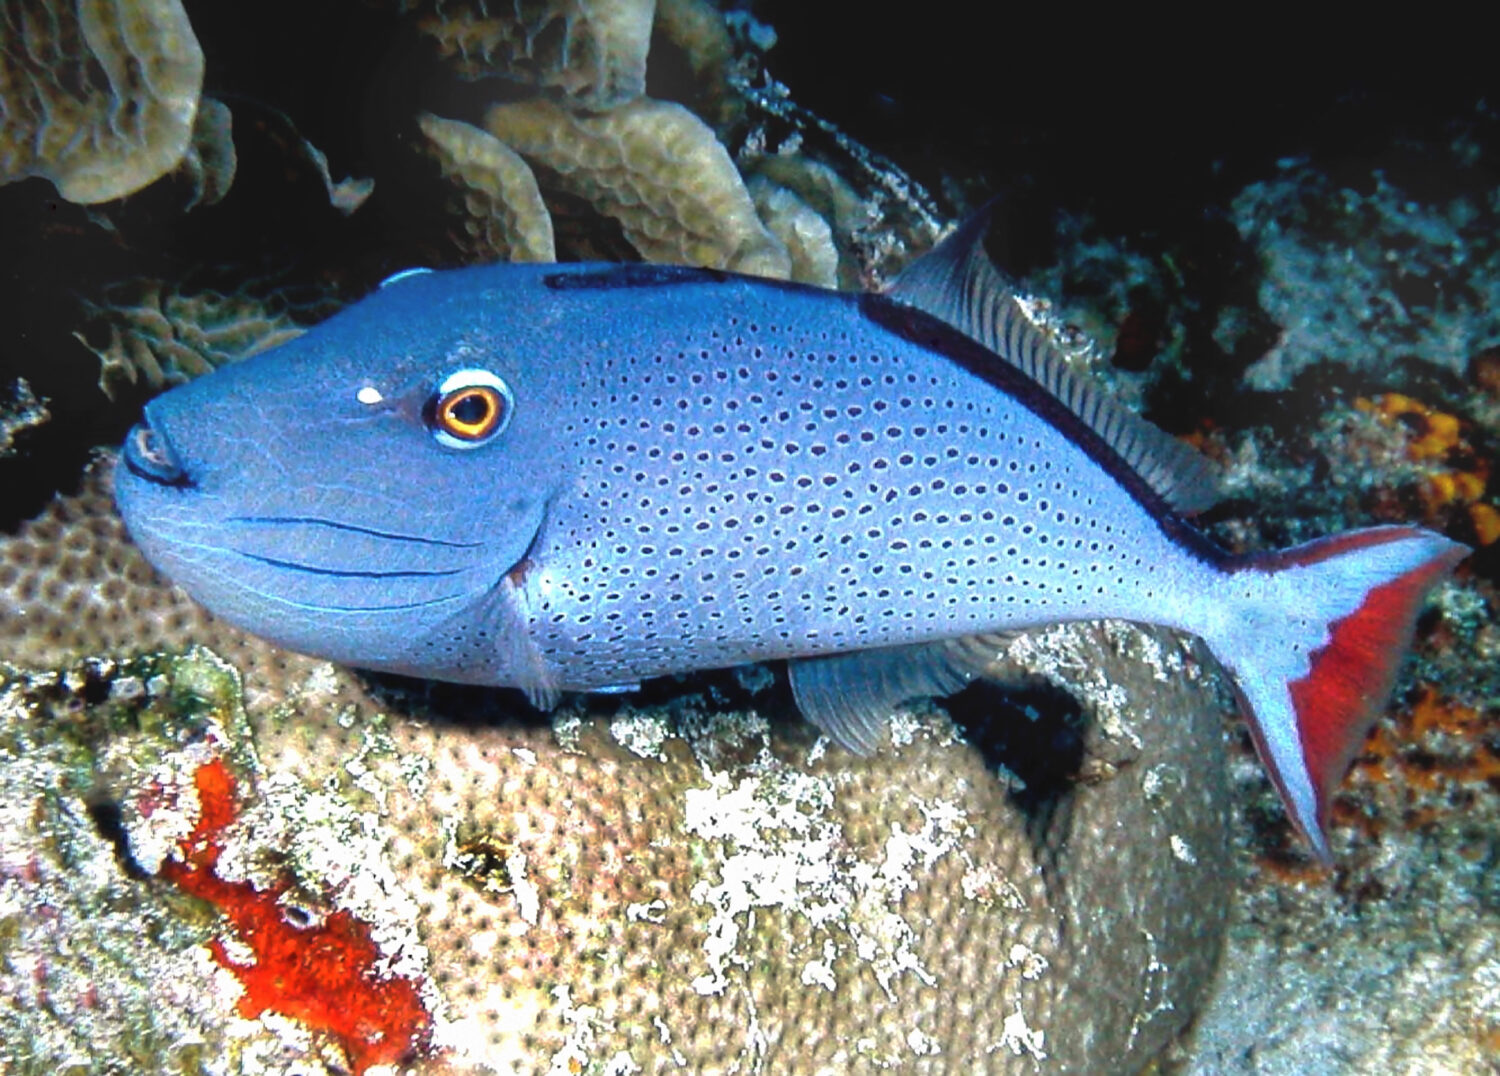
[149, 455]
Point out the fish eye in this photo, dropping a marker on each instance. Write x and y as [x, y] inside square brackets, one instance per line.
[469, 409]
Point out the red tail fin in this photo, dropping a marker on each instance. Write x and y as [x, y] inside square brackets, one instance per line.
[1314, 646]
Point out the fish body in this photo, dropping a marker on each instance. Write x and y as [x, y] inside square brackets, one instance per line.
[580, 477]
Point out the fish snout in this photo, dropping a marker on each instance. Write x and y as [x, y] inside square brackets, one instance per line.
[149, 455]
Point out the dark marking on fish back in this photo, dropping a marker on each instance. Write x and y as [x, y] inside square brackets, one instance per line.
[616, 277]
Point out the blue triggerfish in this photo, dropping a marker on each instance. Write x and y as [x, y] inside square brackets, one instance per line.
[576, 477]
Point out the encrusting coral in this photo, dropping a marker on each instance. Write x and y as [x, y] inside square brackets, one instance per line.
[98, 98]
[648, 888]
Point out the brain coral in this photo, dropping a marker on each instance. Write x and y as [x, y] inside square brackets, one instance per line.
[698, 882]
[98, 98]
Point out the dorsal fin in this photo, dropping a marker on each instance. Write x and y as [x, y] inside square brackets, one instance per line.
[956, 283]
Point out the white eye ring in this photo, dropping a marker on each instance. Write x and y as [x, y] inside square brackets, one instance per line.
[450, 412]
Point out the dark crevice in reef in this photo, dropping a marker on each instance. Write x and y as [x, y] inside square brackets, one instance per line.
[1034, 733]
[109, 821]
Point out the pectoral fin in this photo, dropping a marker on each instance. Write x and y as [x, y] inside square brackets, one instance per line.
[490, 642]
[518, 650]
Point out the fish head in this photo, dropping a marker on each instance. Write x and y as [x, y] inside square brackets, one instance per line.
[361, 485]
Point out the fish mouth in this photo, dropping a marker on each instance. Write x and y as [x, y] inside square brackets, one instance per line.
[149, 456]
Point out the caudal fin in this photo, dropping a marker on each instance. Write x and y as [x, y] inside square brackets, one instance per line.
[1312, 637]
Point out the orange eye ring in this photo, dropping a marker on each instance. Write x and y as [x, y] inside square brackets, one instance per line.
[469, 409]
[472, 413]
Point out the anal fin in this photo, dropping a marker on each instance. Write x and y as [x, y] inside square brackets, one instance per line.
[851, 696]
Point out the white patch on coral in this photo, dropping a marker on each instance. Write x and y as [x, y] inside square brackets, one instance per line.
[573, 1058]
[482, 943]
[923, 719]
[161, 815]
[622, 1064]
[506, 1014]
[820, 972]
[1183, 851]
[373, 742]
[567, 730]
[1020, 1039]
[525, 754]
[778, 852]
[980, 883]
[238, 952]
[337, 853]
[1031, 962]
[294, 1035]
[323, 680]
[415, 771]
[666, 1040]
[715, 735]
[922, 1044]
[778, 848]
[904, 726]
[1155, 987]
[652, 912]
[1053, 653]
[641, 734]
[528, 900]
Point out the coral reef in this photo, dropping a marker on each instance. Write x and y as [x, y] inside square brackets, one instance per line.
[500, 210]
[591, 53]
[20, 410]
[100, 99]
[807, 237]
[658, 170]
[210, 161]
[1338, 974]
[1364, 275]
[650, 886]
[164, 337]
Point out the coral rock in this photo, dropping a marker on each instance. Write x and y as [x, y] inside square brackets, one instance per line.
[592, 53]
[501, 210]
[98, 98]
[658, 170]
